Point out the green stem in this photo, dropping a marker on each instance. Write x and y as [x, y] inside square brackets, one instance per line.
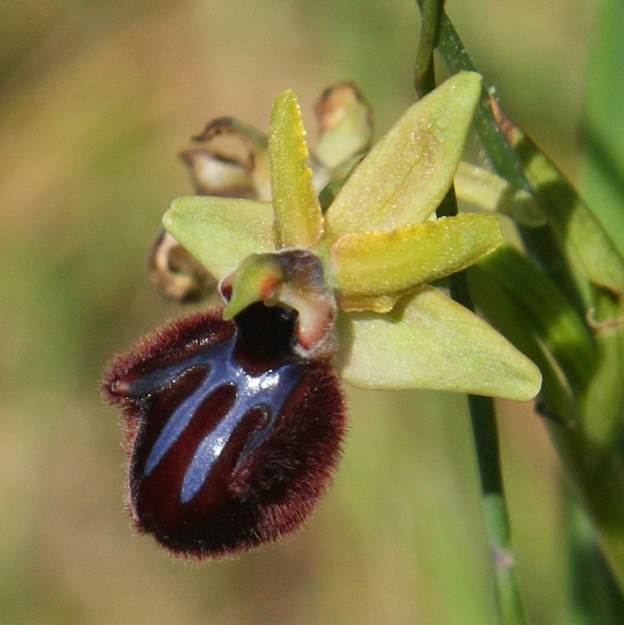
[482, 412]
[485, 434]
[503, 159]
[424, 78]
[538, 241]
[591, 453]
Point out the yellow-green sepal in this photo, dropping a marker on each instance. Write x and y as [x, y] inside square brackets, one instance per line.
[404, 178]
[429, 341]
[378, 263]
[298, 215]
[220, 232]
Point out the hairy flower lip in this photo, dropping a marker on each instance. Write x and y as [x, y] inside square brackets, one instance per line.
[266, 492]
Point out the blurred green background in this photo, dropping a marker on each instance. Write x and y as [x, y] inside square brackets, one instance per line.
[95, 100]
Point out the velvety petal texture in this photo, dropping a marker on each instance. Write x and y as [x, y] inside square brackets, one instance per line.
[234, 417]
[232, 438]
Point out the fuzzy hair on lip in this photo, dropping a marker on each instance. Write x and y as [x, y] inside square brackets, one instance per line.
[232, 437]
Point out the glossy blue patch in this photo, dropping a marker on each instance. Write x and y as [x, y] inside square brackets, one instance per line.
[268, 390]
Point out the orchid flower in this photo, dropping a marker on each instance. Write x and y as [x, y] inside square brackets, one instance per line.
[235, 416]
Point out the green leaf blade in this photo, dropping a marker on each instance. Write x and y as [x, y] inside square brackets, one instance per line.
[603, 131]
[547, 314]
[588, 248]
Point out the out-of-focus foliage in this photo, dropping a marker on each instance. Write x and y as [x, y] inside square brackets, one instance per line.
[603, 134]
[95, 101]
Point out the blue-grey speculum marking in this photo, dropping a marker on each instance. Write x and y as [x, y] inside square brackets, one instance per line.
[268, 390]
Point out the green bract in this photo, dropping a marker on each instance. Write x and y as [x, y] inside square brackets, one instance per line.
[374, 251]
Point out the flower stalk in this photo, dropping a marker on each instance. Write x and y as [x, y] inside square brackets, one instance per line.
[577, 343]
[482, 410]
[486, 441]
[424, 75]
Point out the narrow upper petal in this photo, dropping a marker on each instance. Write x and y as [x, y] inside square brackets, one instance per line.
[377, 263]
[298, 215]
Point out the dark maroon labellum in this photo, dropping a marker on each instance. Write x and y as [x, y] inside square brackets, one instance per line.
[232, 437]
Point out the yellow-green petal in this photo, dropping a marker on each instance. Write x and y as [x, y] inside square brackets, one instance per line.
[376, 303]
[298, 215]
[429, 341]
[406, 175]
[376, 263]
[257, 278]
[220, 232]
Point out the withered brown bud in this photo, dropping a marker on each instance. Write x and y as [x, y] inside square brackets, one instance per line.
[229, 159]
[345, 125]
[176, 273]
